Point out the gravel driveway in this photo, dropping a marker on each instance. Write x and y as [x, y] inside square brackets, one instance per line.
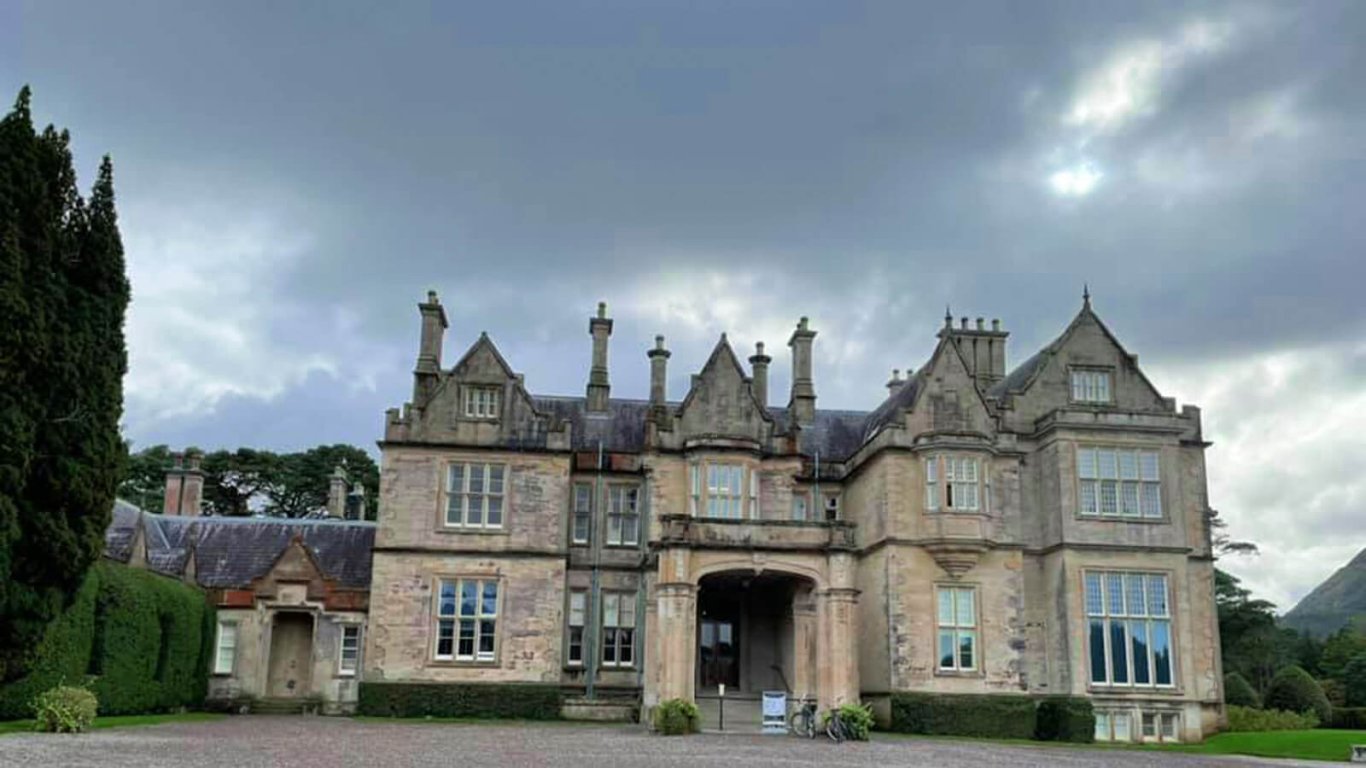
[320, 742]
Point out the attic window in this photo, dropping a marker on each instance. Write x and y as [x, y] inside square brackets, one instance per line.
[481, 402]
[1090, 386]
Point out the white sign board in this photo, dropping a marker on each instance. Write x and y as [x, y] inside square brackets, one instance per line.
[775, 712]
[1359, 753]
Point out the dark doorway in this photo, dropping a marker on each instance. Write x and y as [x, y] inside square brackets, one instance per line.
[720, 660]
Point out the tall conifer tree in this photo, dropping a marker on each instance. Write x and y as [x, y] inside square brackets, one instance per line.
[63, 294]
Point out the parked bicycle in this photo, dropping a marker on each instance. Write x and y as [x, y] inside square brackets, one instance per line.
[803, 721]
[836, 728]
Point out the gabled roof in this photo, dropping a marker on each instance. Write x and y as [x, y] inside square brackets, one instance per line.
[484, 342]
[722, 354]
[231, 552]
[1024, 375]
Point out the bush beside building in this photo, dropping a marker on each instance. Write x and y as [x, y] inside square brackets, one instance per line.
[524, 701]
[139, 641]
[985, 715]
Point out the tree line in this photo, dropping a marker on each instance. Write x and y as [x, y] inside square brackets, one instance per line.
[248, 481]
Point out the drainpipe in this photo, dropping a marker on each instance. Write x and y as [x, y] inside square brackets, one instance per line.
[818, 502]
[642, 534]
[591, 620]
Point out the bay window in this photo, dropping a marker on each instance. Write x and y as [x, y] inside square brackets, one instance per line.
[953, 483]
[719, 491]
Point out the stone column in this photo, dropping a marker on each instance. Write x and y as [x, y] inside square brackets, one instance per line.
[676, 621]
[804, 626]
[837, 612]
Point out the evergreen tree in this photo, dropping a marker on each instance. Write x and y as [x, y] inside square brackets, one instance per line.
[63, 294]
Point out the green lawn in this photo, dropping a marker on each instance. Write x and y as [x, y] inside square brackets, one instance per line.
[1319, 744]
[119, 721]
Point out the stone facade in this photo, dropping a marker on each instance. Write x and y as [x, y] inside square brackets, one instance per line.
[656, 549]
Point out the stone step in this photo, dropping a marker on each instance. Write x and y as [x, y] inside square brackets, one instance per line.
[742, 715]
[277, 707]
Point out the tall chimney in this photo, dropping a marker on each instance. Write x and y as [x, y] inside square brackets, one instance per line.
[600, 327]
[184, 485]
[983, 349]
[175, 484]
[336, 492]
[659, 365]
[802, 405]
[759, 363]
[428, 370]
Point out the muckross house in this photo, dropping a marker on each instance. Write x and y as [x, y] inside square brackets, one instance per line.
[1042, 529]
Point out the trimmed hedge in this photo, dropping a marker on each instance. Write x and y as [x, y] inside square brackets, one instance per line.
[1258, 720]
[142, 639]
[1349, 718]
[1066, 718]
[990, 715]
[1238, 692]
[1293, 690]
[676, 717]
[523, 701]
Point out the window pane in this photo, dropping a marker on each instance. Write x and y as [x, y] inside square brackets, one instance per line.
[1088, 497]
[495, 478]
[1168, 726]
[477, 477]
[1149, 725]
[946, 650]
[613, 529]
[469, 597]
[1119, 654]
[1138, 634]
[490, 606]
[486, 636]
[1148, 466]
[1121, 724]
[626, 645]
[1128, 465]
[474, 509]
[628, 611]
[628, 530]
[1109, 501]
[456, 478]
[453, 506]
[576, 644]
[447, 599]
[1102, 726]
[945, 606]
[1097, 641]
[445, 634]
[798, 507]
[1162, 652]
[1114, 593]
[1133, 585]
[967, 650]
[609, 610]
[1109, 469]
[1152, 500]
[931, 470]
[1129, 499]
[932, 497]
[465, 646]
[577, 607]
[967, 615]
[1095, 605]
[1086, 463]
[495, 516]
[1157, 594]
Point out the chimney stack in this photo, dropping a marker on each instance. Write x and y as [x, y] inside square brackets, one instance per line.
[336, 493]
[895, 384]
[802, 405]
[600, 327]
[983, 350]
[355, 503]
[184, 486]
[759, 363]
[428, 370]
[659, 365]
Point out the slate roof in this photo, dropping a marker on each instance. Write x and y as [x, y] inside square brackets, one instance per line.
[621, 429]
[893, 405]
[1018, 379]
[835, 435]
[231, 552]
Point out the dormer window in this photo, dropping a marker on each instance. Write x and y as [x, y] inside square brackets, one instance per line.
[481, 402]
[1090, 385]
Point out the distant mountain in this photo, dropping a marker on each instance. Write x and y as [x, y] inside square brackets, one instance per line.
[1333, 603]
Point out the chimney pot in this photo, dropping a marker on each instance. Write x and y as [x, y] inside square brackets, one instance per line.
[963, 323]
[981, 324]
[602, 309]
[995, 324]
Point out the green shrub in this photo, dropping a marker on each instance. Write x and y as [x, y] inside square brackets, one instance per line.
[1354, 681]
[1066, 718]
[1249, 719]
[857, 719]
[64, 709]
[1238, 692]
[1349, 718]
[114, 630]
[1293, 690]
[522, 701]
[988, 715]
[1334, 691]
[676, 717]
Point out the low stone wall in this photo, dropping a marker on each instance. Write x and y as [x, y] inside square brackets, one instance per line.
[600, 711]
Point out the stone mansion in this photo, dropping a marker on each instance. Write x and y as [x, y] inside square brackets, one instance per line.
[1036, 530]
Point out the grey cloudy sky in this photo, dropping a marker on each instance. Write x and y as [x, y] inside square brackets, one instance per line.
[293, 177]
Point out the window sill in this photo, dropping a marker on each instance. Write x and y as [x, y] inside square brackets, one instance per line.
[958, 512]
[622, 546]
[1134, 690]
[456, 529]
[220, 674]
[1119, 519]
[462, 663]
[958, 673]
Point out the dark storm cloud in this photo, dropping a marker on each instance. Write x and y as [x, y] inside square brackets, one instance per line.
[293, 177]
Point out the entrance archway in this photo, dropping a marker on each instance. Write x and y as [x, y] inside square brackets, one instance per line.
[755, 633]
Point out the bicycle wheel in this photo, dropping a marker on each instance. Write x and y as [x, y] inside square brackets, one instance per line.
[794, 723]
[835, 729]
